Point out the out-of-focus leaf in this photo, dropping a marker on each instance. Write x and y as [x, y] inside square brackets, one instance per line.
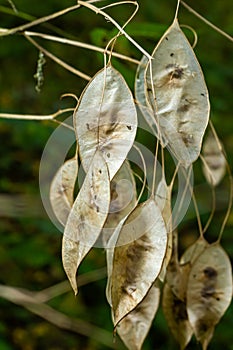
[138, 257]
[62, 189]
[86, 218]
[106, 119]
[133, 328]
[178, 95]
[209, 291]
[214, 167]
[176, 315]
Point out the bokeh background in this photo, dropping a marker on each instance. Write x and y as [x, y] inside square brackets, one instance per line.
[30, 245]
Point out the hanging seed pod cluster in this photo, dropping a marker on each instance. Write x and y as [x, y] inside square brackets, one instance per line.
[139, 237]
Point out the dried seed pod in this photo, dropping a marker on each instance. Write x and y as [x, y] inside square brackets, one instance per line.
[209, 292]
[133, 328]
[106, 119]
[175, 313]
[86, 218]
[178, 94]
[214, 165]
[138, 257]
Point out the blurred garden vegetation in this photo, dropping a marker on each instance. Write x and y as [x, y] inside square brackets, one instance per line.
[30, 246]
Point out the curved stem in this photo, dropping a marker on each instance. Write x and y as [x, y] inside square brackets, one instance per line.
[230, 182]
[194, 34]
[99, 11]
[213, 197]
[145, 173]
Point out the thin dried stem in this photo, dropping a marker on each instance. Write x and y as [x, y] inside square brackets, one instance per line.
[194, 34]
[13, 6]
[99, 11]
[145, 173]
[80, 44]
[213, 26]
[229, 203]
[177, 9]
[155, 167]
[58, 60]
[35, 117]
[119, 3]
[230, 182]
[113, 40]
[23, 27]
[213, 196]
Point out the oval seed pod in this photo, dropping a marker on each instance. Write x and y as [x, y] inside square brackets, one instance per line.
[106, 118]
[175, 313]
[86, 218]
[138, 257]
[62, 189]
[178, 94]
[134, 327]
[209, 292]
[214, 166]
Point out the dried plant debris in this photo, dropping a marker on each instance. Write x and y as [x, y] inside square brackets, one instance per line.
[177, 91]
[106, 118]
[86, 218]
[209, 291]
[62, 189]
[138, 257]
[214, 164]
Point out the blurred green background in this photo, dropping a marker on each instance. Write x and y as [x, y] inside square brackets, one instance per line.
[30, 246]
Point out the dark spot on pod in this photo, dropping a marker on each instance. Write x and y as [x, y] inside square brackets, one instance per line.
[166, 38]
[129, 127]
[88, 126]
[202, 327]
[210, 272]
[178, 73]
[184, 108]
[100, 171]
[203, 95]
[172, 54]
[208, 291]
[179, 309]
[170, 65]
[97, 209]
[108, 155]
[149, 89]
